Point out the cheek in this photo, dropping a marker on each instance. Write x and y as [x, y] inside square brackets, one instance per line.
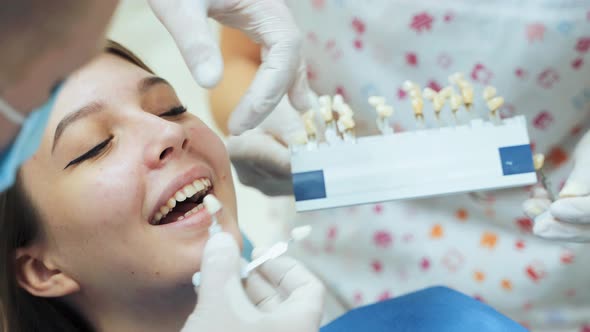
[105, 195]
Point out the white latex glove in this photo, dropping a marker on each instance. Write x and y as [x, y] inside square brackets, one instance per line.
[268, 23]
[568, 218]
[261, 156]
[284, 296]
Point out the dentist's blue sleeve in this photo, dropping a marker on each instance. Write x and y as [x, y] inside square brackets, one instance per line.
[433, 309]
[23, 147]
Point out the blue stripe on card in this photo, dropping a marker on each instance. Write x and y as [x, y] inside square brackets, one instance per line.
[309, 185]
[516, 159]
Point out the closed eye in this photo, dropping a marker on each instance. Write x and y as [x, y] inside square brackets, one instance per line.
[95, 151]
[174, 111]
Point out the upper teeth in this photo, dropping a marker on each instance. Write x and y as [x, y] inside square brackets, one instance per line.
[197, 187]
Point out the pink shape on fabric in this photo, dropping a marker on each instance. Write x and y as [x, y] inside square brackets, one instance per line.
[434, 85]
[444, 60]
[520, 244]
[312, 37]
[358, 298]
[521, 73]
[585, 328]
[386, 295]
[377, 266]
[577, 63]
[543, 120]
[318, 4]
[535, 271]
[479, 298]
[358, 25]
[408, 238]
[583, 45]
[358, 44]
[449, 16]
[535, 32]
[570, 292]
[453, 260]
[382, 239]
[525, 224]
[507, 111]
[481, 73]
[378, 208]
[567, 257]
[332, 232]
[421, 22]
[425, 264]
[401, 94]
[548, 78]
[412, 59]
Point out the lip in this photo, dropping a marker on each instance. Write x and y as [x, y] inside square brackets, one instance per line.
[178, 183]
[199, 220]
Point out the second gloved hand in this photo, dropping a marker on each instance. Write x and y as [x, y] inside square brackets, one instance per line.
[282, 296]
[568, 218]
[261, 156]
[268, 23]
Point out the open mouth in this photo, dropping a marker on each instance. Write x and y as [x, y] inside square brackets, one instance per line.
[184, 203]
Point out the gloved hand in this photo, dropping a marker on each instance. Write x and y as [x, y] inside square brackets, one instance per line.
[267, 22]
[568, 218]
[261, 156]
[283, 296]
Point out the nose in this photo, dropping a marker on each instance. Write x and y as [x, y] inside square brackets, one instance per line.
[165, 141]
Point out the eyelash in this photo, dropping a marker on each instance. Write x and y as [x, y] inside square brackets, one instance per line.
[175, 111]
[95, 151]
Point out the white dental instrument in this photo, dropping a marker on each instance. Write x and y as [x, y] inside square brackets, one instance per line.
[278, 249]
[213, 205]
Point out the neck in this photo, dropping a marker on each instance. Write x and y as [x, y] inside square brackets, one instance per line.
[157, 312]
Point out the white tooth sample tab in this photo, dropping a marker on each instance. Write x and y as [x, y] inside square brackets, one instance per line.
[212, 204]
[301, 232]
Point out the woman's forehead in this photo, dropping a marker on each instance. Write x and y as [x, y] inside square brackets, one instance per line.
[107, 77]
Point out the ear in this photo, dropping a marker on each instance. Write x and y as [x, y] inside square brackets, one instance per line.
[40, 277]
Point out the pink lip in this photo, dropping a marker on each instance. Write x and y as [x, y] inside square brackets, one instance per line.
[179, 183]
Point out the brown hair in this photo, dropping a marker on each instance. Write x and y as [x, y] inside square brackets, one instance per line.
[20, 227]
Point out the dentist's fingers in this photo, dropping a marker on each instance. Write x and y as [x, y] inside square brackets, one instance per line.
[187, 22]
[261, 292]
[547, 227]
[536, 206]
[271, 24]
[574, 203]
[572, 210]
[220, 273]
[297, 283]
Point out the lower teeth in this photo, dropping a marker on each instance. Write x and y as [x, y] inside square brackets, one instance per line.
[193, 211]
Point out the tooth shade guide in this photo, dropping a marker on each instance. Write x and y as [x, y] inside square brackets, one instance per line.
[371, 171]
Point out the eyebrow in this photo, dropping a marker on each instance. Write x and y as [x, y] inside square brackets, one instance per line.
[95, 107]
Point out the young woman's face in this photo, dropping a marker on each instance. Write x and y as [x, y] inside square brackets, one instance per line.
[117, 151]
